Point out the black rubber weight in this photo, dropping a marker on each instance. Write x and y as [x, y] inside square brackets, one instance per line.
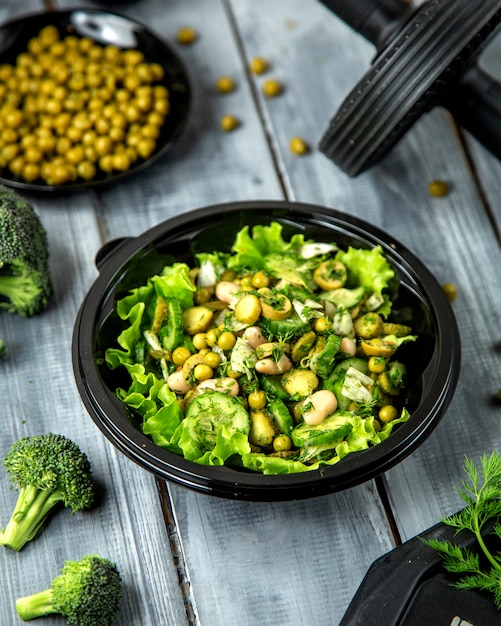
[441, 39]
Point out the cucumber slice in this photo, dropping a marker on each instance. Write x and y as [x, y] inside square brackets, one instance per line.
[204, 418]
[172, 332]
[281, 416]
[292, 326]
[358, 363]
[344, 298]
[335, 381]
[324, 436]
[272, 385]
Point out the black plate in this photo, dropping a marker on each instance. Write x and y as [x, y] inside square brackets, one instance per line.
[434, 364]
[104, 28]
[409, 587]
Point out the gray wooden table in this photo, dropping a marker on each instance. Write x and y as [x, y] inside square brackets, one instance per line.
[190, 559]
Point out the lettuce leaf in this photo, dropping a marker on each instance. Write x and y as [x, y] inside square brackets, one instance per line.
[128, 338]
[138, 309]
[361, 436]
[251, 248]
[175, 282]
[369, 269]
[270, 465]
[151, 398]
[226, 445]
[292, 269]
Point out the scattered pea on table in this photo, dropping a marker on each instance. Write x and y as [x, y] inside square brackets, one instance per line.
[298, 146]
[438, 188]
[186, 35]
[229, 123]
[258, 65]
[450, 291]
[225, 84]
[271, 88]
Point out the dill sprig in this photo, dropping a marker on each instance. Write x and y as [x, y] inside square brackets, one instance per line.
[482, 493]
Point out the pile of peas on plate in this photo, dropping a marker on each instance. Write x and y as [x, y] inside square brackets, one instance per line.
[72, 109]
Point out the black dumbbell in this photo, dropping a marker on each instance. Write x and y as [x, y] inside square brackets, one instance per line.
[426, 57]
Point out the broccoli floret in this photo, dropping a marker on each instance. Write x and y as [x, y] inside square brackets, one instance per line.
[47, 469]
[25, 282]
[86, 593]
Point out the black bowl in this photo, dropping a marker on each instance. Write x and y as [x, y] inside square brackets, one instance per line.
[105, 28]
[433, 367]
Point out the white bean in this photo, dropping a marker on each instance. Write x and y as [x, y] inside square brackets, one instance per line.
[225, 385]
[177, 382]
[266, 349]
[322, 403]
[348, 346]
[272, 368]
[253, 335]
[226, 290]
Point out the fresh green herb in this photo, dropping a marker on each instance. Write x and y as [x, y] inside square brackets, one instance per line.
[278, 351]
[482, 494]
[283, 337]
[312, 326]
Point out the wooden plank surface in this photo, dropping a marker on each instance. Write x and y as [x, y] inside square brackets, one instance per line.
[38, 394]
[254, 563]
[9, 9]
[452, 235]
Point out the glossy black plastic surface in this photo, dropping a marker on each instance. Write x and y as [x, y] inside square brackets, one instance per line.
[105, 28]
[410, 587]
[434, 362]
[420, 66]
[373, 19]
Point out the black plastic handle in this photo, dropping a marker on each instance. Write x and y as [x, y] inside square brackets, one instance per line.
[475, 103]
[373, 19]
[106, 250]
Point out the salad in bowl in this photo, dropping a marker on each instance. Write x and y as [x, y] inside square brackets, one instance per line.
[276, 356]
[265, 350]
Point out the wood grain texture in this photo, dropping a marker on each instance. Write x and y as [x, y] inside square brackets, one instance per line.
[207, 166]
[487, 168]
[288, 563]
[9, 9]
[452, 235]
[38, 394]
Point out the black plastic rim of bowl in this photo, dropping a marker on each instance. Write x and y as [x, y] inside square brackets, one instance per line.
[14, 36]
[110, 416]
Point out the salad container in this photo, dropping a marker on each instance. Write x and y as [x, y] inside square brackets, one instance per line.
[433, 363]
